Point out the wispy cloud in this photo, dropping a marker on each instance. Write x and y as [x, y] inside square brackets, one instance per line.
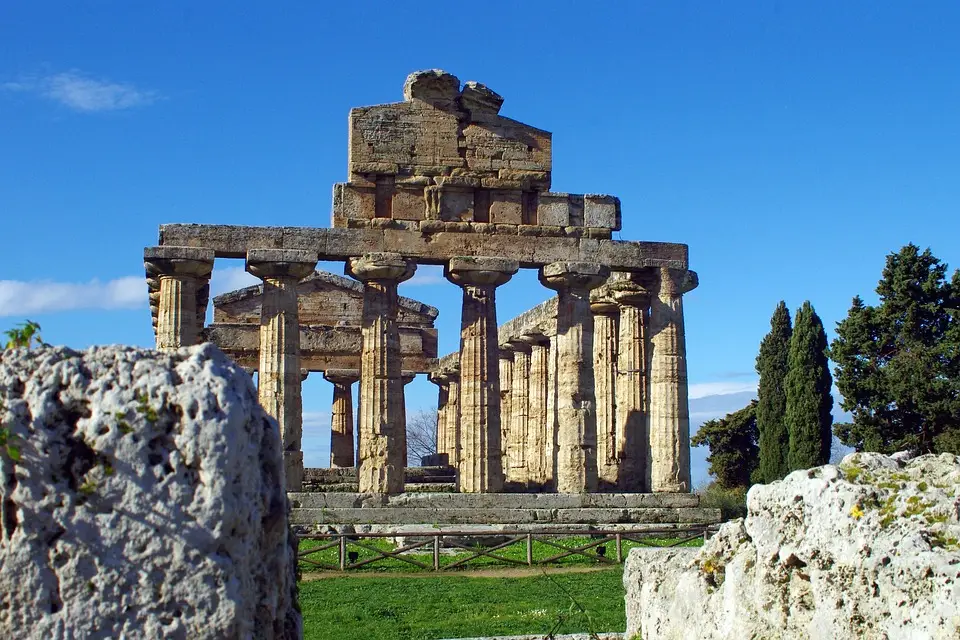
[704, 389]
[426, 275]
[18, 298]
[231, 279]
[83, 92]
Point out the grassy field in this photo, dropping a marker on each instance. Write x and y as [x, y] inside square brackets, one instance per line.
[431, 606]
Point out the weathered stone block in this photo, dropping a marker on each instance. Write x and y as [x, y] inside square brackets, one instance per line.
[554, 210]
[506, 207]
[456, 204]
[148, 500]
[351, 202]
[601, 211]
[408, 204]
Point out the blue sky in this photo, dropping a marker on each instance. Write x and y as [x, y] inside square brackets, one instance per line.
[791, 145]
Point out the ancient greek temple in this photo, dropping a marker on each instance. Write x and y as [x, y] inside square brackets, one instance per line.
[585, 392]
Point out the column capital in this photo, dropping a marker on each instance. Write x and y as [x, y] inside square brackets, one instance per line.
[341, 376]
[602, 302]
[630, 294]
[517, 345]
[480, 271]
[192, 262]
[535, 340]
[380, 266]
[281, 263]
[505, 352]
[676, 282]
[573, 276]
[408, 376]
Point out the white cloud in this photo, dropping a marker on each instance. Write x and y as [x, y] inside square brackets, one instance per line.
[316, 420]
[230, 279]
[704, 389]
[82, 92]
[18, 298]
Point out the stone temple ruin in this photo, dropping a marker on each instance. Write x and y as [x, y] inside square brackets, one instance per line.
[584, 393]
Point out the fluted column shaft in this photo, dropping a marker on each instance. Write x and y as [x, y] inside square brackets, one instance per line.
[279, 376]
[516, 466]
[506, 399]
[576, 404]
[443, 398]
[550, 446]
[632, 422]
[605, 340]
[183, 273]
[537, 444]
[381, 424]
[341, 420]
[451, 429]
[669, 414]
[406, 378]
[481, 467]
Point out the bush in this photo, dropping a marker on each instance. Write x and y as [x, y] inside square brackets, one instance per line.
[731, 502]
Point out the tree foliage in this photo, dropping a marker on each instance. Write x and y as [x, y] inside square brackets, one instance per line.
[772, 363]
[732, 441]
[809, 407]
[898, 363]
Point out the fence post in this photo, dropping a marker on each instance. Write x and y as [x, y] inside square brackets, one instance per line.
[343, 552]
[530, 549]
[619, 549]
[436, 552]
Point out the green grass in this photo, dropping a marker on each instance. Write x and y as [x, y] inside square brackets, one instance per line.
[516, 551]
[457, 606]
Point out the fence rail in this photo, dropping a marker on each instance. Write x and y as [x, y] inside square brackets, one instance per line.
[425, 543]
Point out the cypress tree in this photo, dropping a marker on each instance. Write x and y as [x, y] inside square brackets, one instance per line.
[772, 398]
[808, 382]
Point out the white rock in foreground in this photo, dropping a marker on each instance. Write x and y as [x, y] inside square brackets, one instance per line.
[867, 549]
[148, 500]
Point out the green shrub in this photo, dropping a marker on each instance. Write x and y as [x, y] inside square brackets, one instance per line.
[731, 502]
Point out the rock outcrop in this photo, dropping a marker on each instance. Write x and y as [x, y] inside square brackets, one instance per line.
[866, 549]
[144, 498]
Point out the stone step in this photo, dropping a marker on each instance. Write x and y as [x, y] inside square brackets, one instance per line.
[350, 488]
[498, 500]
[315, 475]
[454, 516]
[659, 529]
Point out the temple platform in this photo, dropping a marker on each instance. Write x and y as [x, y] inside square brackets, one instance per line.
[499, 511]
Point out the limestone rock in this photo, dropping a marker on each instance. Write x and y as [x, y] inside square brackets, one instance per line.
[867, 549]
[148, 500]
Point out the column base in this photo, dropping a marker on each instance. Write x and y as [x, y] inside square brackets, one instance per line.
[293, 469]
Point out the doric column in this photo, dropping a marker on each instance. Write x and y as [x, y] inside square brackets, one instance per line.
[632, 421]
[184, 273]
[537, 446]
[451, 429]
[341, 420]
[605, 338]
[278, 376]
[481, 468]
[551, 444]
[382, 431]
[669, 413]
[506, 397]
[516, 464]
[406, 377]
[442, 380]
[576, 411]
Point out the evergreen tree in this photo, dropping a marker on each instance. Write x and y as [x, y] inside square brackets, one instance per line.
[772, 397]
[809, 401]
[898, 363]
[733, 446]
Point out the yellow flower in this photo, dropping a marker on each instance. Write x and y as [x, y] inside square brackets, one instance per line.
[856, 512]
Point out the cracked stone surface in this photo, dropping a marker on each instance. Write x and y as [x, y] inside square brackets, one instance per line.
[866, 549]
[148, 500]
